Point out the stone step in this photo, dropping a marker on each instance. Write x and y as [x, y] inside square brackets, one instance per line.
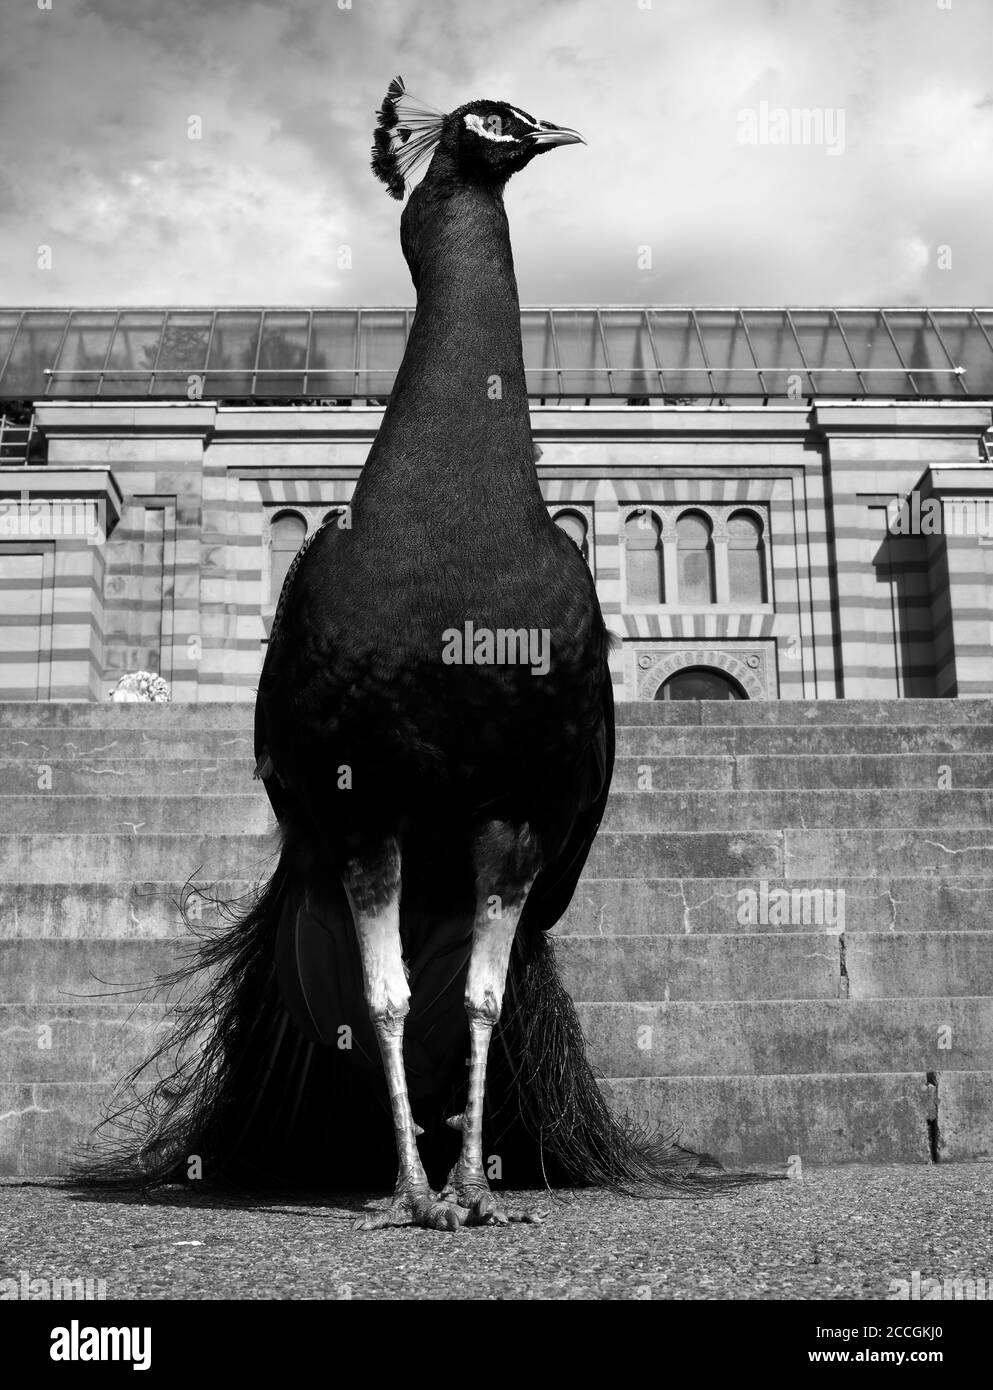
[142, 747]
[148, 775]
[197, 776]
[820, 1118]
[68, 714]
[787, 1121]
[868, 965]
[650, 906]
[822, 855]
[773, 771]
[601, 907]
[805, 713]
[32, 971]
[239, 716]
[136, 744]
[807, 854]
[756, 810]
[827, 740]
[638, 811]
[74, 1041]
[759, 1037]
[105, 909]
[51, 812]
[140, 857]
[865, 966]
[100, 1041]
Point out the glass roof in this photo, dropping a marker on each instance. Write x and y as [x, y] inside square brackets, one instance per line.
[633, 353]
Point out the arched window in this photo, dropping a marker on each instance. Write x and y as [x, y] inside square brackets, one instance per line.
[695, 555]
[643, 557]
[574, 525]
[332, 515]
[746, 559]
[288, 532]
[700, 683]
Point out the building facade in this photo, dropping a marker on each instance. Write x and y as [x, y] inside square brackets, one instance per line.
[774, 504]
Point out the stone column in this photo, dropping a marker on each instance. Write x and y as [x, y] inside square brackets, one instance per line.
[955, 512]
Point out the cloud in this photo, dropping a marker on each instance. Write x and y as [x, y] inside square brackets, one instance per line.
[100, 94]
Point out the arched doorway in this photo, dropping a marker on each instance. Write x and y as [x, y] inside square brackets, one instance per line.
[700, 683]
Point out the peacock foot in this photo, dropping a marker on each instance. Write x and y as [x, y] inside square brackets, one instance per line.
[410, 1210]
[467, 1190]
[414, 1204]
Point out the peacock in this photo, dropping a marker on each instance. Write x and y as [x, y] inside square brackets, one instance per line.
[434, 729]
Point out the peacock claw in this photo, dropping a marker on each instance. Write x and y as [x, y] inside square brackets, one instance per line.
[467, 1204]
[465, 1200]
[414, 1209]
[471, 1193]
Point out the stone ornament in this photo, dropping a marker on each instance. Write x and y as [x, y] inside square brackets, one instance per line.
[141, 687]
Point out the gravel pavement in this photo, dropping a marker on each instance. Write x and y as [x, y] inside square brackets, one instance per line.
[838, 1233]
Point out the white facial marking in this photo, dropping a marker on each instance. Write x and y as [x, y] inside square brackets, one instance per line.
[477, 124]
[525, 120]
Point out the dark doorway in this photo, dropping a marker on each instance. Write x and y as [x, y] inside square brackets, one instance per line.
[700, 683]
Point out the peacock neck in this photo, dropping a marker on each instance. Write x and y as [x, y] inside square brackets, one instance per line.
[458, 422]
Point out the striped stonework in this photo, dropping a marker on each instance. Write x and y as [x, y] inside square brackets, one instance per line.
[53, 559]
[596, 502]
[791, 533]
[183, 583]
[894, 598]
[958, 564]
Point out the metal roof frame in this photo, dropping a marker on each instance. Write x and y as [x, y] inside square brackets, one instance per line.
[614, 377]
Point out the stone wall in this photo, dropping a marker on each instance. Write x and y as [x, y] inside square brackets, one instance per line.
[182, 584]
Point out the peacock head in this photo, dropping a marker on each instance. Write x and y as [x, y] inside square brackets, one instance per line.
[485, 141]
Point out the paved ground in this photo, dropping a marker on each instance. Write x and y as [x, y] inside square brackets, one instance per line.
[839, 1233]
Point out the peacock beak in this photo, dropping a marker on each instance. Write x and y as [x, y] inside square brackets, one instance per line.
[556, 135]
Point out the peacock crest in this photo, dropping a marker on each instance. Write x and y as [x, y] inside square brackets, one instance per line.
[407, 130]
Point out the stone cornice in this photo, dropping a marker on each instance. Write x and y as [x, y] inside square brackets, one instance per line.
[73, 419]
[93, 482]
[875, 418]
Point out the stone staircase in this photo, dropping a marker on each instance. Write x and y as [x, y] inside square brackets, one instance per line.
[783, 941]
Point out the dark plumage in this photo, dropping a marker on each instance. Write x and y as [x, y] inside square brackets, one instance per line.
[395, 773]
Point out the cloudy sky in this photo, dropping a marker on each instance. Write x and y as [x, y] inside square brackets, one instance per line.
[97, 96]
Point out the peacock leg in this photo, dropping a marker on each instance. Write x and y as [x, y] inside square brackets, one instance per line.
[372, 886]
[505, 869]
